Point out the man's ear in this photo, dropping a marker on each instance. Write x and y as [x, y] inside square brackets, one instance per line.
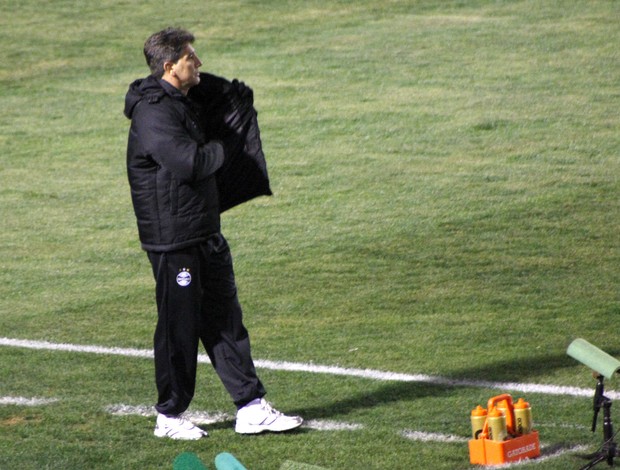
[168, 68]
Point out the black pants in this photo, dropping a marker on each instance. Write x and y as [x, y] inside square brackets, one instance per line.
[197, 300]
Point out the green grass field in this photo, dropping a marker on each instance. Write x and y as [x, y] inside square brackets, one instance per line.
[446, 179]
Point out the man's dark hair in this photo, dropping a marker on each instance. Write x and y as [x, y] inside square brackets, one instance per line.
[166, 45]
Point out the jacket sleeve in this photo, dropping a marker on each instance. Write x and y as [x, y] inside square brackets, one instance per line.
[166, 140]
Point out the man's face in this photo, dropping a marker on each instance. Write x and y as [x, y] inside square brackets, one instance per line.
[185, 70]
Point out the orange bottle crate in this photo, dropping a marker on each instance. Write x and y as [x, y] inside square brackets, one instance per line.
[485, 451]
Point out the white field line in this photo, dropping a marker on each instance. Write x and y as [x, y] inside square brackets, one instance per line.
[329, 370]
[202, 417]
[47, 346]
[196, 417]
[23, 401]
[432, 437]
[328, 425]
[448, 438]
[543, 457]
[205, 418]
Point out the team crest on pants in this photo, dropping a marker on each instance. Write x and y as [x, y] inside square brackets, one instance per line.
[184, 278]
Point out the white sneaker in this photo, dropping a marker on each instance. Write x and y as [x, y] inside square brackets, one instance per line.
[177, 427]
[258, 416]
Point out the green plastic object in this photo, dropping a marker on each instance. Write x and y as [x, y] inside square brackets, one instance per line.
[593, 357]
[188, 461]
[226, 461]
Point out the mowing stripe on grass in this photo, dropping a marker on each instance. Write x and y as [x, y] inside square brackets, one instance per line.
[329, 370]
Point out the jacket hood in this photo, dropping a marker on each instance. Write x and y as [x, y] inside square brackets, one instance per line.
[140, 89]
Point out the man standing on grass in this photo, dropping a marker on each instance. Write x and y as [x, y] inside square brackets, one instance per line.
[171, 168]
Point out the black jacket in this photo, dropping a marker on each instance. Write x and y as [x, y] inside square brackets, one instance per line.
[176, 146]
[226, 113]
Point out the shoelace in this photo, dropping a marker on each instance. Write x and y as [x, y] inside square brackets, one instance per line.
[267, 407]
[272, 414]
[184, 422]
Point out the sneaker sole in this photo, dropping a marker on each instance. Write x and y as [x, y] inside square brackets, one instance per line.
[257, 429]
[179, 437]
